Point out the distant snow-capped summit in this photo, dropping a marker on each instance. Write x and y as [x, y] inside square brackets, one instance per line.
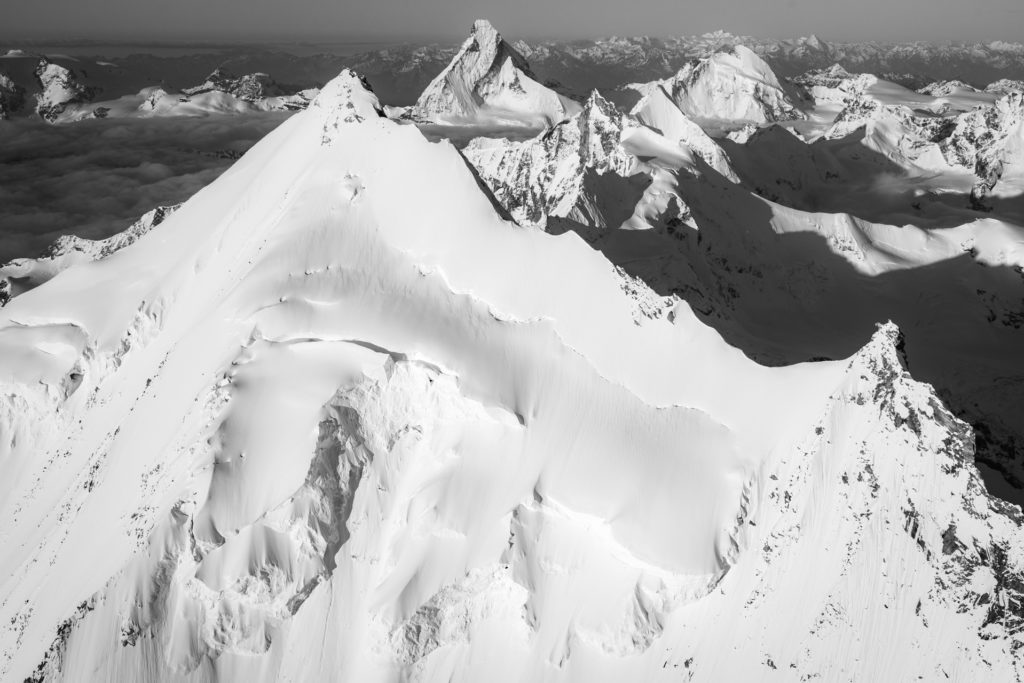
[1004, 86]
[24, 274]
[250, 87]
[735, 86]
[59, 89]
[489, 79]
[946, 88]
[983, 140]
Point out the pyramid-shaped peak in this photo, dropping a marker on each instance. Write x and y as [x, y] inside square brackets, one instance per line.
[485, 32]
[734, 85]
[485, 44]
[488, 78]
[746, 59]
[347, 98]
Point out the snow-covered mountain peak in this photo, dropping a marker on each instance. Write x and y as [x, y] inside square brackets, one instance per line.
[544, 176]
[59, 88]
[984, 139]
[487, 39]
[946, 88]
[346, 99]
[1004, 86]
[489, 80]
[658, 110]
[735, 85]
[249, 87]
[830, 77]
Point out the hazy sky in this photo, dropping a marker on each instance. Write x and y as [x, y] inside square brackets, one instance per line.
[450, 19]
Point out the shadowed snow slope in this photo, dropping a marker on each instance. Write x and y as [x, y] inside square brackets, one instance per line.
[335, 419]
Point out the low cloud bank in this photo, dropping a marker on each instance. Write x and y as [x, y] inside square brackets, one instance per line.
[94, 178]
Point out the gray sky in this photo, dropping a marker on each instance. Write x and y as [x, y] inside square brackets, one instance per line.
[967, 20]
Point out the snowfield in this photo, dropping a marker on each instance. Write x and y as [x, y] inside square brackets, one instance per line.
[374, 406]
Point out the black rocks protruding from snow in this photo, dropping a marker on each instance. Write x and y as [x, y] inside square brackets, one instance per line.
[59, 88]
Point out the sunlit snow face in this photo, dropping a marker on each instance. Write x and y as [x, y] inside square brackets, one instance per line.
[94, 178]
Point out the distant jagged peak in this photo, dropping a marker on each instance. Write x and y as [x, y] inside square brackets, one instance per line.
[602, 126]
[59, 88]
[250, 87]
[829, 77]
[1005, 86]
[980, 140]
[348, 98]
[813, 41]
[597, 108]
[731, 85]
[832, 85]
[24, 274]
[946, 88]
[489, 79]
[544, 177]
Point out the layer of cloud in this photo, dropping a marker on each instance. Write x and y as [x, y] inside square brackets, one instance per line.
[94, 178]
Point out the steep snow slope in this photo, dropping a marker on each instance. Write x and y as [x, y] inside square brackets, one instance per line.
[334, 419]
[488, 80]
[734, 86]
[657, 110]
[21, 275]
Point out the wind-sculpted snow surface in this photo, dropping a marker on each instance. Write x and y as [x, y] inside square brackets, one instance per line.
[488, 80]
[336, 419]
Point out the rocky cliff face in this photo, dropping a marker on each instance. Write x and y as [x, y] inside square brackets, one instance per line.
[545, 176]
[250, 87]
[12, 96]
